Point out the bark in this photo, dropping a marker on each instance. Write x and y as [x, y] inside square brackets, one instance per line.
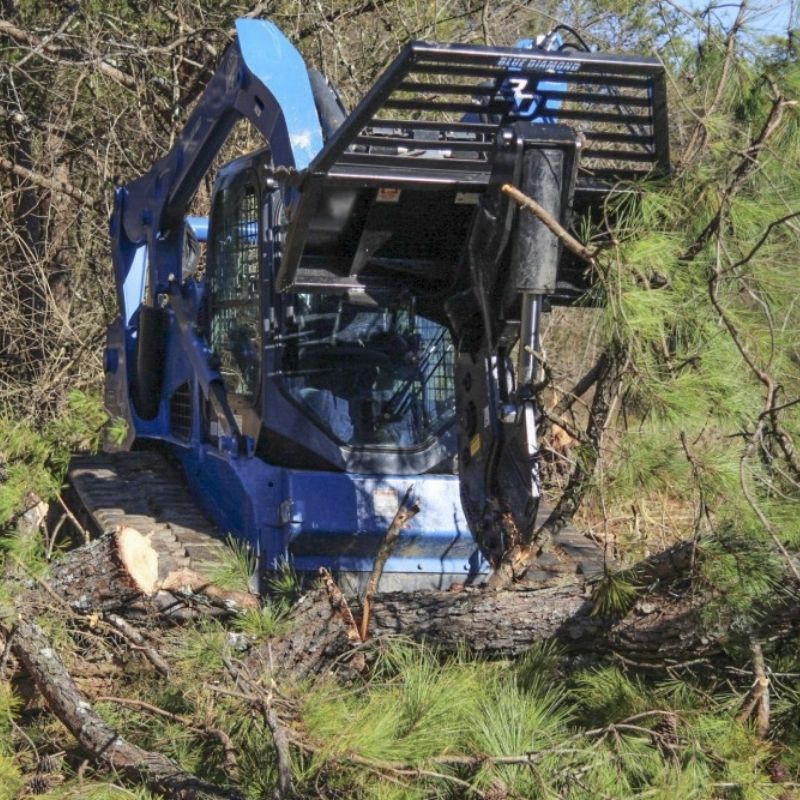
[317, 634]
[103, 743]
[117, 571]
[501, 624]
[664, 626]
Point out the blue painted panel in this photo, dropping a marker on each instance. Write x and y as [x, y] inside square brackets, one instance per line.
[330, 519]
[273, 59]
[200, 227]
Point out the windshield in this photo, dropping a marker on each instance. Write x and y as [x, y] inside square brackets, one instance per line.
[369, 375]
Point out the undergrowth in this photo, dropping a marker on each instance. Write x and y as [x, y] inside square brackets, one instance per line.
[34, 460]
[430, 727]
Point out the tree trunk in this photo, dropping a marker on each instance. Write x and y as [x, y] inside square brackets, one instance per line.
[664, 625]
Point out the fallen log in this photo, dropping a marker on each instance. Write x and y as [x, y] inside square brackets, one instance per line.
[500, 624]
[664, 625]
[115, 570]
[102, 743]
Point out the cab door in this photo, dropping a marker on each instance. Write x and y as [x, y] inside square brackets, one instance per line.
[234, 307]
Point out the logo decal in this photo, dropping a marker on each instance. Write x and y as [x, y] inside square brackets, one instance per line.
[526, 102]
[540, 65]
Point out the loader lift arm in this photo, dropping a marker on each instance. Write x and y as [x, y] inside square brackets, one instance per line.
[261, 78]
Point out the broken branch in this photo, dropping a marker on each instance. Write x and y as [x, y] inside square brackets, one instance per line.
[406, 512]
[564, 236]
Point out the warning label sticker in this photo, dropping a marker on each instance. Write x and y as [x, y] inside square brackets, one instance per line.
[388, 195]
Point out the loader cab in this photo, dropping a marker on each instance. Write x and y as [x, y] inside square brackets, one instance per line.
[350, 380]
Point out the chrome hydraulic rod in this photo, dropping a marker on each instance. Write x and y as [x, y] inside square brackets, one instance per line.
[527, 375]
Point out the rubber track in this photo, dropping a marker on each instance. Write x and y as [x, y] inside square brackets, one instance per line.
[145, 491]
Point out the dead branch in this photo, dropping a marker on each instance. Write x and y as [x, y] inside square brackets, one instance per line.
[207, 730]
[406, 512]
[582, 385]
[607, 387]
[69, 54]
[340, 605]
[102, 742]
[563, 235]
[137, 640]
[757, 699]
[47, 183]
[280, 737]
[747, 164]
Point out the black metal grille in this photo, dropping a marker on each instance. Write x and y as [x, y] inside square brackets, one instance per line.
[439, 107]
[427, 134]
[233, 280]
[438, 368]
[180, 412]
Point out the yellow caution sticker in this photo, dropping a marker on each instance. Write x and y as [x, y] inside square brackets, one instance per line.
[475, 444]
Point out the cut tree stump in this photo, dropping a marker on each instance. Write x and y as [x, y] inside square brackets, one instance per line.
[115, 571]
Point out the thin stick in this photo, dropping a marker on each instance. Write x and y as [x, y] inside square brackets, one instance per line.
[138, 641]
[74, 520]
[339, 603]
[406, 512]
[280, 737]
[565, 237]
[223, 738]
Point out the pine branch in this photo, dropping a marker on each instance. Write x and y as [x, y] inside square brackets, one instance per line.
[748, 163]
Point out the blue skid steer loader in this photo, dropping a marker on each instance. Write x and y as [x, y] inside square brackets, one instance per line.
[340, 326]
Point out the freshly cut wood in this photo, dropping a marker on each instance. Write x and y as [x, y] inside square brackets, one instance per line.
[104, 744]
[188, 580]
[139, 558]
[108, 573]
[114, 571]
